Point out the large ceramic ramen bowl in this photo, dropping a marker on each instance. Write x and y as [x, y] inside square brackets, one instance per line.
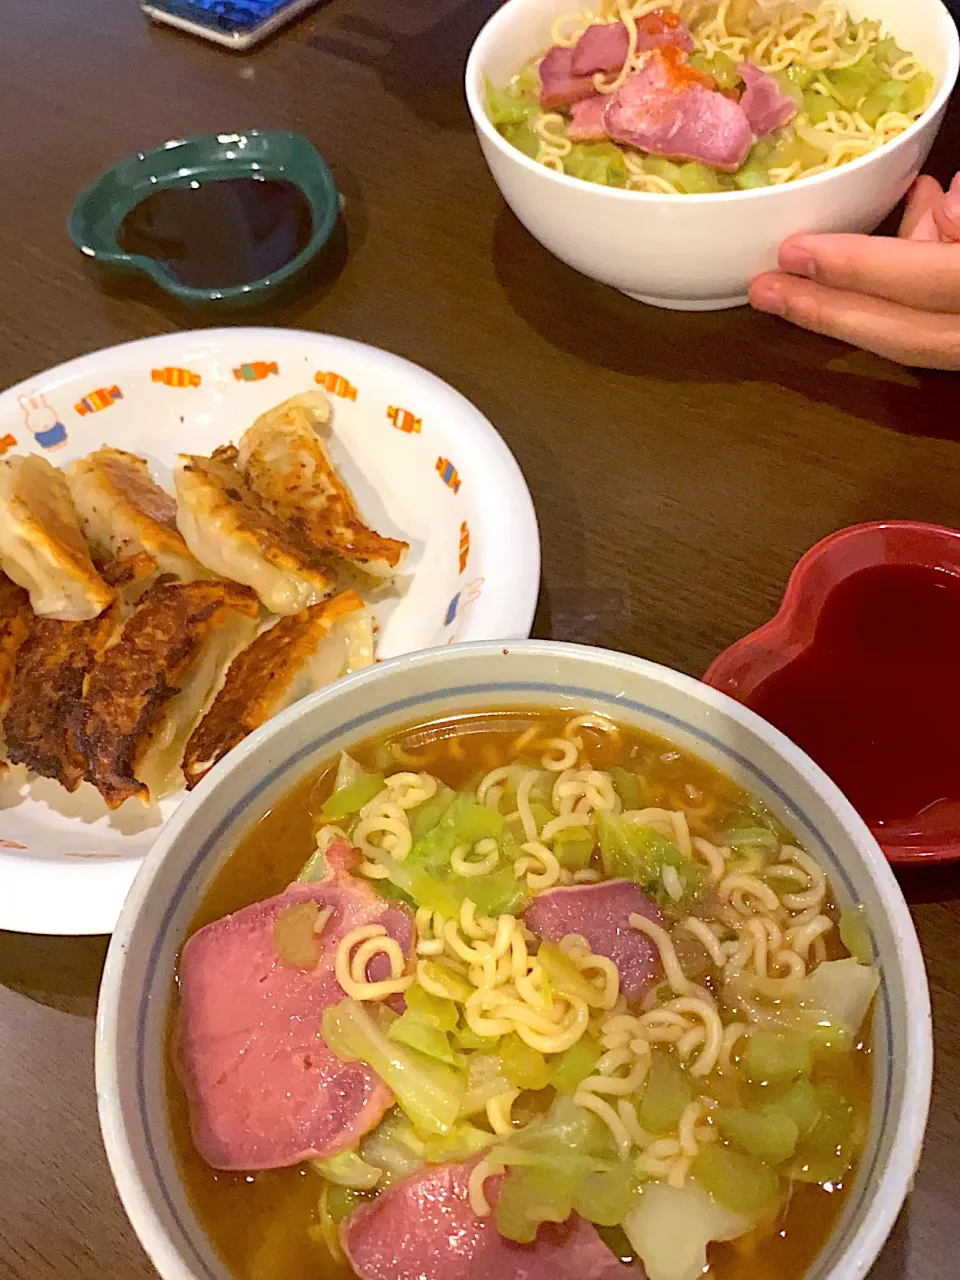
[136, 989]
[698, 252]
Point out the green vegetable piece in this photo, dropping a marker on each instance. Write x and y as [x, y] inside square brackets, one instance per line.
[350, 800]
[509, 105]
[793, 150]
[457, 988]
[886, 97]
[573, 847]
[524, 1067]
[662, 168]
[666, 1096]
[887, 53]
[521, 136]
[818, 106]
[750, 177]
[440, 1013]
[529, 1196]
[835, 1123]
[347, 1169]
[640, 853]
[776, 1056]
[599, 162]
[563, 974]
[411, 1030]
[569, 1069]
[466, 1038]
[820, 1169]
[428, 1091]
[340, 1201]
[800, 1104]
[799, 75]
[855, 934]
[485, 1080]
[749, 836]
[462, 1143]
[627, 787]
[770, 1136]
[721, 66]
[428, 814]
[499, 893]
[740, 1181]
[919, 92]
[606, 1196]
[852, 84]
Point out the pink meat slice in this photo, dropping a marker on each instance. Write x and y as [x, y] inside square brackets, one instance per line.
[424, 1229]
[764, 103]
[558, 85]
[604, 45]
[663, 108]
[586, 119]
[601, 913]
[264, 1090]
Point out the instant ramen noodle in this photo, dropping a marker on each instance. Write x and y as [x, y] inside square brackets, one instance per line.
[527, 993]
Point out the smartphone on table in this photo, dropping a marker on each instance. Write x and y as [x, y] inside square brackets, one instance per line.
[237, 24]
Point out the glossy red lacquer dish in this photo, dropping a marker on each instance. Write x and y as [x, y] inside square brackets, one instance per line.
[861, 668]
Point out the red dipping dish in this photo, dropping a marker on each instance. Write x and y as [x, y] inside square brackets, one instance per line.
[861, 668]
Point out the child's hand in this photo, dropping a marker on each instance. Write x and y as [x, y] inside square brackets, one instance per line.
[899, 298]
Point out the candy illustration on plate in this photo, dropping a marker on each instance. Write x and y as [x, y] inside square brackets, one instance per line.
[7, 443]
[448, 474]
[255, 372]
[43, 422]
[457, 606]
[336, 384]
[464, 546]
[98, 400]
[404, 420]
[171, 377]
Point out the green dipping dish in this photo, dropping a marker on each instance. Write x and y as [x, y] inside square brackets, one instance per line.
[300, 207]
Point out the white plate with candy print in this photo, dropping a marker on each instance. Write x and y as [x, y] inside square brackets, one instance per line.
[424, 466]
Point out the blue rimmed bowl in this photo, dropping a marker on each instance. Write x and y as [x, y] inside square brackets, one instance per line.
[95, 219]
[139, 974]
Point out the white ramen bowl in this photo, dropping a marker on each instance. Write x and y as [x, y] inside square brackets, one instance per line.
[139, 974]
[698, 253]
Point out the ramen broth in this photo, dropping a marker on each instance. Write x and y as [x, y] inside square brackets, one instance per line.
[264, 1224]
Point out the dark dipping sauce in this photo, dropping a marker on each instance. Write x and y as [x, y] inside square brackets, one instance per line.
[876, 699]
[221, 233]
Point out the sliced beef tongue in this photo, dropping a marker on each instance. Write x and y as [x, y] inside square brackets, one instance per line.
[558, 84]
[601, 913]
[604, 45]
[764, 103]
[264, 1090]
[423, 1228]
[664, 108]
[587, 119]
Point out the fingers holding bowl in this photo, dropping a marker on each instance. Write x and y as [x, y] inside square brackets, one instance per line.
[905, 334]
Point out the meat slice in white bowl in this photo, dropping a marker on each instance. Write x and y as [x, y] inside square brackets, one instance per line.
[423, 1228]
[764, 103]
[664, 108]
[601, 914]
[264, 1090]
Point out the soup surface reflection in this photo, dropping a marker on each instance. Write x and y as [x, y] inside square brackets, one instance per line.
[770, 1118]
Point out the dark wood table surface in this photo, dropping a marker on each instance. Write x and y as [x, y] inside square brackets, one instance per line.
[680, 464]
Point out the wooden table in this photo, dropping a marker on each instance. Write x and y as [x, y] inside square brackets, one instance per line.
[679, 463]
